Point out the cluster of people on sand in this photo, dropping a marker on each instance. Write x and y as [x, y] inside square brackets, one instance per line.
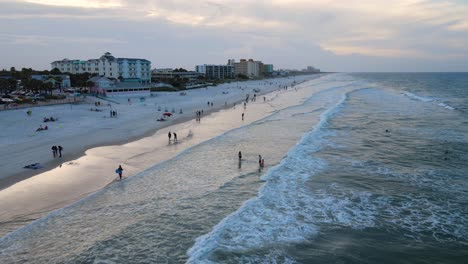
[40, 128]
[50, 119]
[57, 151]
[169, 135]
[199, 114]
[254, 98]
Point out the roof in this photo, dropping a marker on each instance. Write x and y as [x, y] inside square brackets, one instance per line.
[132, 59]
[107, 56]
[99, 78]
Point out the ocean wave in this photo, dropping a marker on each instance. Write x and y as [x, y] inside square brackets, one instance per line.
[419, 98]
[428, 100]
[277, 215]
[447, 106]
[413, 213]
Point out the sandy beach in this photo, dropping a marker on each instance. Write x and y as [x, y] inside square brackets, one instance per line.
[94, 144]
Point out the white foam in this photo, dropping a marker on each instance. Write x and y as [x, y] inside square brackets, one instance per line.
[279, 214]
[446, 106]
[420, 98]
[429, 100]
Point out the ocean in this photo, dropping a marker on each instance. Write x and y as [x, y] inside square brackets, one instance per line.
[370, 169]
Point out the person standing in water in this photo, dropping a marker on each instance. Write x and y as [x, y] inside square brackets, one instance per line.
[260, 160]
[175, 136]
[119, 171]
[54, 151]
[60, 151]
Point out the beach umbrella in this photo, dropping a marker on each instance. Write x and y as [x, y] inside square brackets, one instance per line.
[167, 114]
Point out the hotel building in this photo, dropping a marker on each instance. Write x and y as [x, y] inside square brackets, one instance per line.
[126, 69]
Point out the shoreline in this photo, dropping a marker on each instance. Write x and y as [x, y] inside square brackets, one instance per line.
[68, 185]
[16, 177]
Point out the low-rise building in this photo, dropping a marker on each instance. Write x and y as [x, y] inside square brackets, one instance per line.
[169, 73]
[108, 66]
[57, 80]
[105, 86]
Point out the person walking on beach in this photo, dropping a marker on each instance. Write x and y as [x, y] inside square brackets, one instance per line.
[260, 160]
[119, 171]
[54, 151]
[169, 135]
[240, 155]
[60, 151]
[175, 136]
[242, 116]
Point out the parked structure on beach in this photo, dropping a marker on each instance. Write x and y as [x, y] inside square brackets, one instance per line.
[109, 66]
[212, 71]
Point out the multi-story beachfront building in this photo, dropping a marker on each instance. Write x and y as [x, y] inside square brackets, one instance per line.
[267, 69]
[249, 68]
[108, 66]
[216, 71]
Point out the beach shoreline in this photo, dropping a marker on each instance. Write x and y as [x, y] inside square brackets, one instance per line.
[10, 176]
[62, 184]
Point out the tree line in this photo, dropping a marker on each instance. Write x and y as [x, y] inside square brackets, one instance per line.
[22, 79]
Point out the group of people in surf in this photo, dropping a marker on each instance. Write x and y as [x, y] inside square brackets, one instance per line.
[261, 161]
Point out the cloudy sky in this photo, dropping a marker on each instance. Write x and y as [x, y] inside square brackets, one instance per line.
[364, 35]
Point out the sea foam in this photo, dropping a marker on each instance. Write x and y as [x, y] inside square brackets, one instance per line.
[279, 214]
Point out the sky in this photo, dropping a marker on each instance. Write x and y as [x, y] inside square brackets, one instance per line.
[346, 36]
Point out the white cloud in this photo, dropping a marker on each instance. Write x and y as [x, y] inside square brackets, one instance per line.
[419, 29]
[79, 3]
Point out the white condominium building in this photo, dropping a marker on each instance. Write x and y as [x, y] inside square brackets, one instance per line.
[109, 66]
